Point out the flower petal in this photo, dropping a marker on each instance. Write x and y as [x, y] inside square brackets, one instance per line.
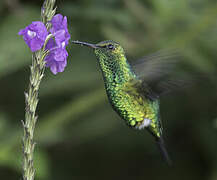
[34, 35]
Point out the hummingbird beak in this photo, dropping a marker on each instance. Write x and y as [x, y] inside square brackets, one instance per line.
[94, 46]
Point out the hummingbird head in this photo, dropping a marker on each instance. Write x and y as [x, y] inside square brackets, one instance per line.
[110, 49]
[111, 57]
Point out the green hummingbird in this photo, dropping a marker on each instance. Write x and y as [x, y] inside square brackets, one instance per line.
[129, 94]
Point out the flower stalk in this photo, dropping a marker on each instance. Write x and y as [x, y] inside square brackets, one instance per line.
[31, 96]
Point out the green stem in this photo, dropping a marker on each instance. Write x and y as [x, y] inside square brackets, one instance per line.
[31, 96]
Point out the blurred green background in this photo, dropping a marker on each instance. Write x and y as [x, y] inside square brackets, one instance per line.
[78, 135]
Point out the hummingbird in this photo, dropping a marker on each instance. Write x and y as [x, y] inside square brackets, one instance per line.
[130, 95]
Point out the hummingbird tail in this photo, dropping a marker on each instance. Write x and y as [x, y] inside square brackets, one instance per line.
[163, 150]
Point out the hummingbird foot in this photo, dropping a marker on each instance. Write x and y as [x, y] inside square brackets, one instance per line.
[145, 123]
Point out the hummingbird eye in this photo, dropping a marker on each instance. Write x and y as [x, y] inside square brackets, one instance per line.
[111, 47]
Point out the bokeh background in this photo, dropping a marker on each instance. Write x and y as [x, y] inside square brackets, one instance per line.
[78, 135]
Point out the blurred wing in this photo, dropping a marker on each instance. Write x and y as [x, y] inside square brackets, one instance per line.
[155, 66]
[157, 71]
[168, 85]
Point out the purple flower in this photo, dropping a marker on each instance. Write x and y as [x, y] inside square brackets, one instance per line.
[57, 58]
[34, 35]
[59, 25]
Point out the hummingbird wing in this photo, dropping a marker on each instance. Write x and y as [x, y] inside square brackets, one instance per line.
[136, 86]
[156, 65]
[157, 71]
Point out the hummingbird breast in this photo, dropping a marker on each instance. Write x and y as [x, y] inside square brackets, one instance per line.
[137, 111]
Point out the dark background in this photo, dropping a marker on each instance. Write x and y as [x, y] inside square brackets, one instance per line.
[78, 135]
